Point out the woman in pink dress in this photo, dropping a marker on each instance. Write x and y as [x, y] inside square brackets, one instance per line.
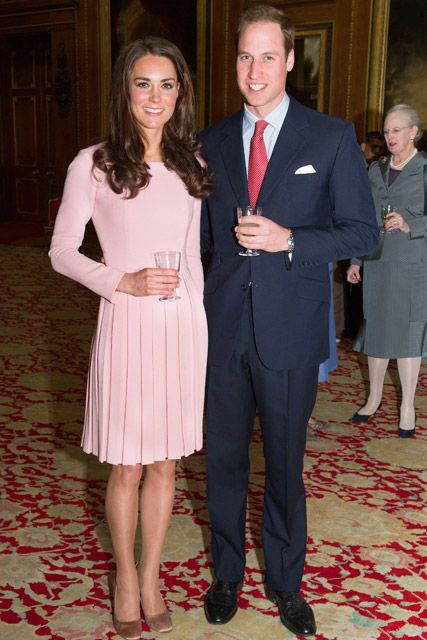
[142, 189]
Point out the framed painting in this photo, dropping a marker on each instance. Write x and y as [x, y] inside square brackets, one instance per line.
[308, 81]
[398, 59]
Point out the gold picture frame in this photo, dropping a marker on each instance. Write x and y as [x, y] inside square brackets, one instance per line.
[377, 64]
[309, 80]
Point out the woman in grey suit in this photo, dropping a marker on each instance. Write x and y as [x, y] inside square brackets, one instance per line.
[395, 274]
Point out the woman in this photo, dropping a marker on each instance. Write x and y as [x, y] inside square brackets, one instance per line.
[395, 275]
[142, 188]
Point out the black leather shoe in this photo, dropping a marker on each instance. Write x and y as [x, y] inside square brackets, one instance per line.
[405, 433]
[358, 418]
[221, 601]
[295, 614]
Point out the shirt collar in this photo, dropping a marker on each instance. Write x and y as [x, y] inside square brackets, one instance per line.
[275, 118]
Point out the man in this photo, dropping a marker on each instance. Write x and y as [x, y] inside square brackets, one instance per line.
[373, 147]
[268, 315]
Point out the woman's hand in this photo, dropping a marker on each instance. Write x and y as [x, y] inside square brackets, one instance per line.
[149, 282]
[394, 221]
[353, 274]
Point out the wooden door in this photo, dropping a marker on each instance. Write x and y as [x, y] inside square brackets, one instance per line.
[26, 149]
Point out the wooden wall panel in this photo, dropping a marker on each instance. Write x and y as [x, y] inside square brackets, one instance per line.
[93, 56]
[224, 94]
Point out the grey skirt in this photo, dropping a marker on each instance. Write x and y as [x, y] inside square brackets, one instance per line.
[394, 309]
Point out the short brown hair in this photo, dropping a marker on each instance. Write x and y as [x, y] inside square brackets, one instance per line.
[267, 13]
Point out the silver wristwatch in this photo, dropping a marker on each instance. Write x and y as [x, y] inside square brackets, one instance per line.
[291, 243]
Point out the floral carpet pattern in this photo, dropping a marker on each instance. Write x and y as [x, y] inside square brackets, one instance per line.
[366, 564]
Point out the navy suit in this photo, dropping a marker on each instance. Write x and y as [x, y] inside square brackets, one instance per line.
[268, 323]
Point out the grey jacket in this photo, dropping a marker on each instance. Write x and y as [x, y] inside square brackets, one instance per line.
[407, 194]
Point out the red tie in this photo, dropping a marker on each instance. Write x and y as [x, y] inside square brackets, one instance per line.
[257, 162]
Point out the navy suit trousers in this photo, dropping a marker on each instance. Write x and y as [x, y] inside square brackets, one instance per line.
[285, 400]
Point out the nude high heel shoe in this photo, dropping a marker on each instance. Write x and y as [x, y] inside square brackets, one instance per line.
[128, 630]
[159, 622]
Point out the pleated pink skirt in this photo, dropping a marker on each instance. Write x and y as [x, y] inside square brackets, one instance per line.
[146, 382]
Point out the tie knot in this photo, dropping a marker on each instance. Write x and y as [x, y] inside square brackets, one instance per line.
[260, 126]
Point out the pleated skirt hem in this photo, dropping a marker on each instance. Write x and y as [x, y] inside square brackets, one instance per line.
[144, 461]
[390, 345]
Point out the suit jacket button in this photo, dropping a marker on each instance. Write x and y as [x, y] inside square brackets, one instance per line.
[244, 287]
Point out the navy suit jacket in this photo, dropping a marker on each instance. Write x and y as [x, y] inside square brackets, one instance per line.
[330, 212]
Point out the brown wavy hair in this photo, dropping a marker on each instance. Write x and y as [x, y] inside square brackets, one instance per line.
[121, 154]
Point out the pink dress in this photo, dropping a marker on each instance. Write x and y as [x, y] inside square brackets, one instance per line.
[146, 380]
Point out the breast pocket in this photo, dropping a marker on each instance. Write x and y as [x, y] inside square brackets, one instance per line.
[303, 192]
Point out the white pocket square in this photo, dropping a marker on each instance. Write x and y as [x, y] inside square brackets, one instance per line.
[308, 168]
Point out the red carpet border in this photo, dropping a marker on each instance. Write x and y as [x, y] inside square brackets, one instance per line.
[365, 573]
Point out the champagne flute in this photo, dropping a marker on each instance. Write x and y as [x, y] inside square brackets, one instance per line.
[386, 209]
[168, 260]
[243, 213]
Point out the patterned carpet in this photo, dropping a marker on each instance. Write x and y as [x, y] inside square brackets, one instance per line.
[365, 573]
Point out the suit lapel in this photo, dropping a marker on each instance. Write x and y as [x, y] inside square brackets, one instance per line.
[292, 138]
[234, 159]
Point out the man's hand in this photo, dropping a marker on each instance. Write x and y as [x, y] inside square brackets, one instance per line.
[265, 235]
